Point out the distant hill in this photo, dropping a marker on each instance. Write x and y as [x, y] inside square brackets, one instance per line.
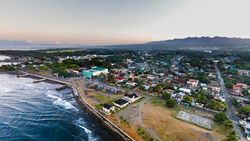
[190, 43]
[193, 43]
[204, 41]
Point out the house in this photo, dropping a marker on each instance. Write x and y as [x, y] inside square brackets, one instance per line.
[120, 103]
[178, 97]
[238, 88]
[131, 84]
[185, 90]
[246, 126]
[192, 83]
[107, 108]
[214, 87]
[119, 79]
[131, 97]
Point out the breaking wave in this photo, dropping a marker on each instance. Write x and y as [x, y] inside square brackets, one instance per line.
[80, 123]
[60, 102]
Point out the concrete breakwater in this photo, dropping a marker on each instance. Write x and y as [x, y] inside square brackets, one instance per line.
[115, 131]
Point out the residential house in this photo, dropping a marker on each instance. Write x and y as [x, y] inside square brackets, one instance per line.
[121, 103]
[107, 108]
[214, 87]
[132, 97]
[185, 90]
[238, 88]
[192, 83]
[178, 97]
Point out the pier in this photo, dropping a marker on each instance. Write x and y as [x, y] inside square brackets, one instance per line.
[43, 78]
[62, 87]
[40, 80]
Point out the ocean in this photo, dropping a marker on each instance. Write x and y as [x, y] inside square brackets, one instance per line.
[36, 111]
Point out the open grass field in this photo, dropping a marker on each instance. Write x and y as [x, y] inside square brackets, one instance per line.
[162, 120]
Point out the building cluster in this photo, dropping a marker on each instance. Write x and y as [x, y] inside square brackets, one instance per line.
[120, 103]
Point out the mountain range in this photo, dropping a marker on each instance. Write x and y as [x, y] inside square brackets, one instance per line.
[190, 43]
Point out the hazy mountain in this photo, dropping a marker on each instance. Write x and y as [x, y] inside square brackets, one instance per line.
[194, 43]
[190, 43]
[204, 41]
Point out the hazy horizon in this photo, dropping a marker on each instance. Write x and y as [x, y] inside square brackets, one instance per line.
[112, 22]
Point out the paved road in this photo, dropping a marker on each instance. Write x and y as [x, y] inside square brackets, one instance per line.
[230, 110]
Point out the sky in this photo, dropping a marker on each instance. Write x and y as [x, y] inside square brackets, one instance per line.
[102, 22]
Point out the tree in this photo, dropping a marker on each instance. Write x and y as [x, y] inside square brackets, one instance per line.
[217, 105]
[201, 97]
[232, 136]
[7, 68]
[170, 103]
[187, 99]
[229, 82]
[245, 110]
[228, 124]
[220, 117]
[203, 77]
[166, 95]
[44, 68]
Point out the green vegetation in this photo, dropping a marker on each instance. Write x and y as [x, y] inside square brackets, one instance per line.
[7, 68]
[229, 82]
[171, 103]
[220, 117]
[166, 96]
[245, 110]
[227, 124]
[217, 105]
[187, 99]
[146, 136]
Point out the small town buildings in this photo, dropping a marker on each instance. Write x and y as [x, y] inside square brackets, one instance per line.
[192, 83]
[238, 88]
[185, 90]
[94, 71]
[120, 103]
[132, 97]
[246, 126]
[178, 97]
[214, 87]
[131, 84]
[107, 108]
[119, 79]
[244, 72]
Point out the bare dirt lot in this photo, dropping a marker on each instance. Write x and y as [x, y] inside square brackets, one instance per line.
[162, 121]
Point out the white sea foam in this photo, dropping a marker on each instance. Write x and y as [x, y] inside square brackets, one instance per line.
[67, 105]
[85, 129]
[60, 102]
[52, 96]
[80, 122]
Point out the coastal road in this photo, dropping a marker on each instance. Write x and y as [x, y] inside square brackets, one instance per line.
[230, 110]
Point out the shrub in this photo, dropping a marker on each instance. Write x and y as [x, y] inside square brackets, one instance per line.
[170, 103]
[166, 96]
[245, 110]
[220, 117]
[187, 99]
[217, 105]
